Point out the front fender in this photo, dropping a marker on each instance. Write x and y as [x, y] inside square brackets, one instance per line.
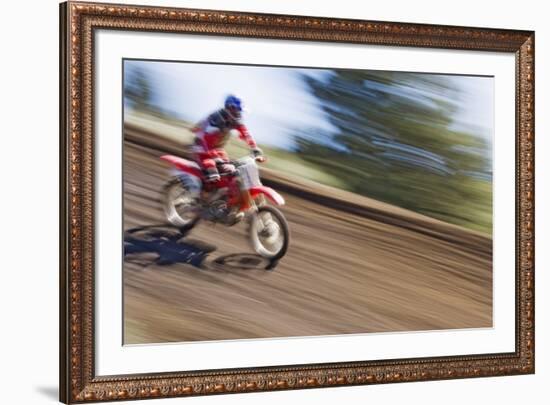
[271, 194]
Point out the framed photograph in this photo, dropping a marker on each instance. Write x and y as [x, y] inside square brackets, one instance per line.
[266, 202]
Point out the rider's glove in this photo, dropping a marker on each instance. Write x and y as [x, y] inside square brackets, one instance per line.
[257, 152]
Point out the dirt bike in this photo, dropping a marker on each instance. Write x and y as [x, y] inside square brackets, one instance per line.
[189, 198]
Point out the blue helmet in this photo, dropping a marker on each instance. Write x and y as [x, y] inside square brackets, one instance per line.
[234, 106]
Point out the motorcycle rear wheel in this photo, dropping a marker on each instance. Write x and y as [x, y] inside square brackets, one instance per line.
[179, 205]
[269, 233]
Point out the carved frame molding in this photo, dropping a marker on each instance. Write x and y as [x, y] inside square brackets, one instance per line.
[78, 21]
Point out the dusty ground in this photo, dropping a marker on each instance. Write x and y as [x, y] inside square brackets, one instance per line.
[344, 273]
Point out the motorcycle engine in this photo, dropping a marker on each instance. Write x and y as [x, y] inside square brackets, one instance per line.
[218, 210]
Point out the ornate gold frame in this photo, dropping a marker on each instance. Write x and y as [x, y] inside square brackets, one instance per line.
[78, 382]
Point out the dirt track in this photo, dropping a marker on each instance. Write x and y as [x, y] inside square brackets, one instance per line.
[344, 273]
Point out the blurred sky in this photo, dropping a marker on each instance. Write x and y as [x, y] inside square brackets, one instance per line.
[277, 100]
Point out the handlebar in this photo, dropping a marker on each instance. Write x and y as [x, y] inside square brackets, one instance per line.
[237, 163]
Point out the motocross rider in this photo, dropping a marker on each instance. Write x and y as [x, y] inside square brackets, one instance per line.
[213, 133]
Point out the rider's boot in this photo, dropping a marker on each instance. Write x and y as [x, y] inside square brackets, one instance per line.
[212, 175]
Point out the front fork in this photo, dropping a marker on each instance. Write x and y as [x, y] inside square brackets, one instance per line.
[246, 201]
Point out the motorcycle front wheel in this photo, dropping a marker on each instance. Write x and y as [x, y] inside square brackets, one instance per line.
[180, 205]
[269, 233]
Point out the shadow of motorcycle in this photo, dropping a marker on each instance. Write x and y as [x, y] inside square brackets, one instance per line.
[164, 245]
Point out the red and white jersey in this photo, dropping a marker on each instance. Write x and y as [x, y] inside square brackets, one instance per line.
[213, 132]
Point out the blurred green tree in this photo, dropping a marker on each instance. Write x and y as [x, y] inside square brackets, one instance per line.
[394, 141]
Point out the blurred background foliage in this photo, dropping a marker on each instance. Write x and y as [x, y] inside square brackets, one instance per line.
[392, 137]
[395, 142]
